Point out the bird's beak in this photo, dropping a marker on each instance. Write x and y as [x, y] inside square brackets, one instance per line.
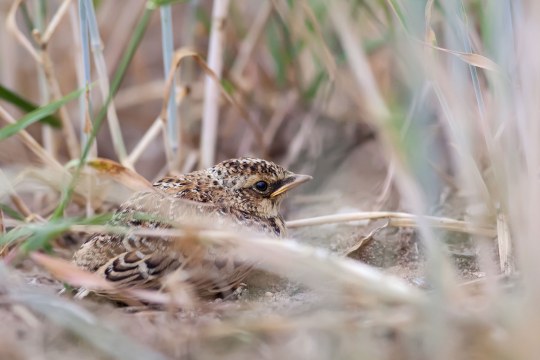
[290, 183]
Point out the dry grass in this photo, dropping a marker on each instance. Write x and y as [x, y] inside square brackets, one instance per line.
[417, 120]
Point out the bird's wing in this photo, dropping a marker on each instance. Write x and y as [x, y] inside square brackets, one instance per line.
[210, 274]
[136, 269]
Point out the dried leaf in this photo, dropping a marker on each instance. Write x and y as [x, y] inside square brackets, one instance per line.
[366, 239]
[118, 172]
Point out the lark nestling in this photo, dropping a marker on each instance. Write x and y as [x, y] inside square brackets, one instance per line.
[245, 193]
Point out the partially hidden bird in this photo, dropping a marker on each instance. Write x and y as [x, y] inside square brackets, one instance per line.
[242, 194]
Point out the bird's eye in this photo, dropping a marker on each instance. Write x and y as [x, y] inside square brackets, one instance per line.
[261, 186]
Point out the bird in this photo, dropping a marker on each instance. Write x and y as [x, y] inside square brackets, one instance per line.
[243, 194]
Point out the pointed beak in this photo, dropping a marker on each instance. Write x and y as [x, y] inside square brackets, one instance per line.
[290, 183]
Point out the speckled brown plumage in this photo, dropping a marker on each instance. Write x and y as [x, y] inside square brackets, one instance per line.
[240, 193]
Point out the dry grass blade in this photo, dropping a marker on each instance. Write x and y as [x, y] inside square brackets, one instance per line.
[57, 180]
[345, 279]
[248, 45]
[112, 343]
[469, 58]
[2, 225]
[177, 298]
[43, 59]
[398, 219]
[211, 86]
[429, 34]
[120, 173]
[183, 53]
[32, 144]
[70, 316]
[504, 241]
[327, 57]
[373, 100]
[11, 25]
[70, 273]
[146, 140]
[279, 116]
[62, 10]
[11, 223]
[103, 81]
[139, 94]
[72, 142]
[19, 203]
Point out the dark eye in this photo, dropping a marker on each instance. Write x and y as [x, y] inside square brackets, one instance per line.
[261, 186]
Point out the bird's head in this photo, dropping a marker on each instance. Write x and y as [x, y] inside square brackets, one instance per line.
[257, 186]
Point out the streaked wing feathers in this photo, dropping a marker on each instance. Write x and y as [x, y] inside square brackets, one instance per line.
[135, 269]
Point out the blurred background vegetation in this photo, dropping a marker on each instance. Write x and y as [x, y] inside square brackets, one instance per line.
[415, 112]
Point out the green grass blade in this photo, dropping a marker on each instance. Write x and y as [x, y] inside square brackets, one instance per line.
[27, 106]
[37, 115]
[313, 88]
[11, 212]
[15, 234]
[39, 236]
[158, 3]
